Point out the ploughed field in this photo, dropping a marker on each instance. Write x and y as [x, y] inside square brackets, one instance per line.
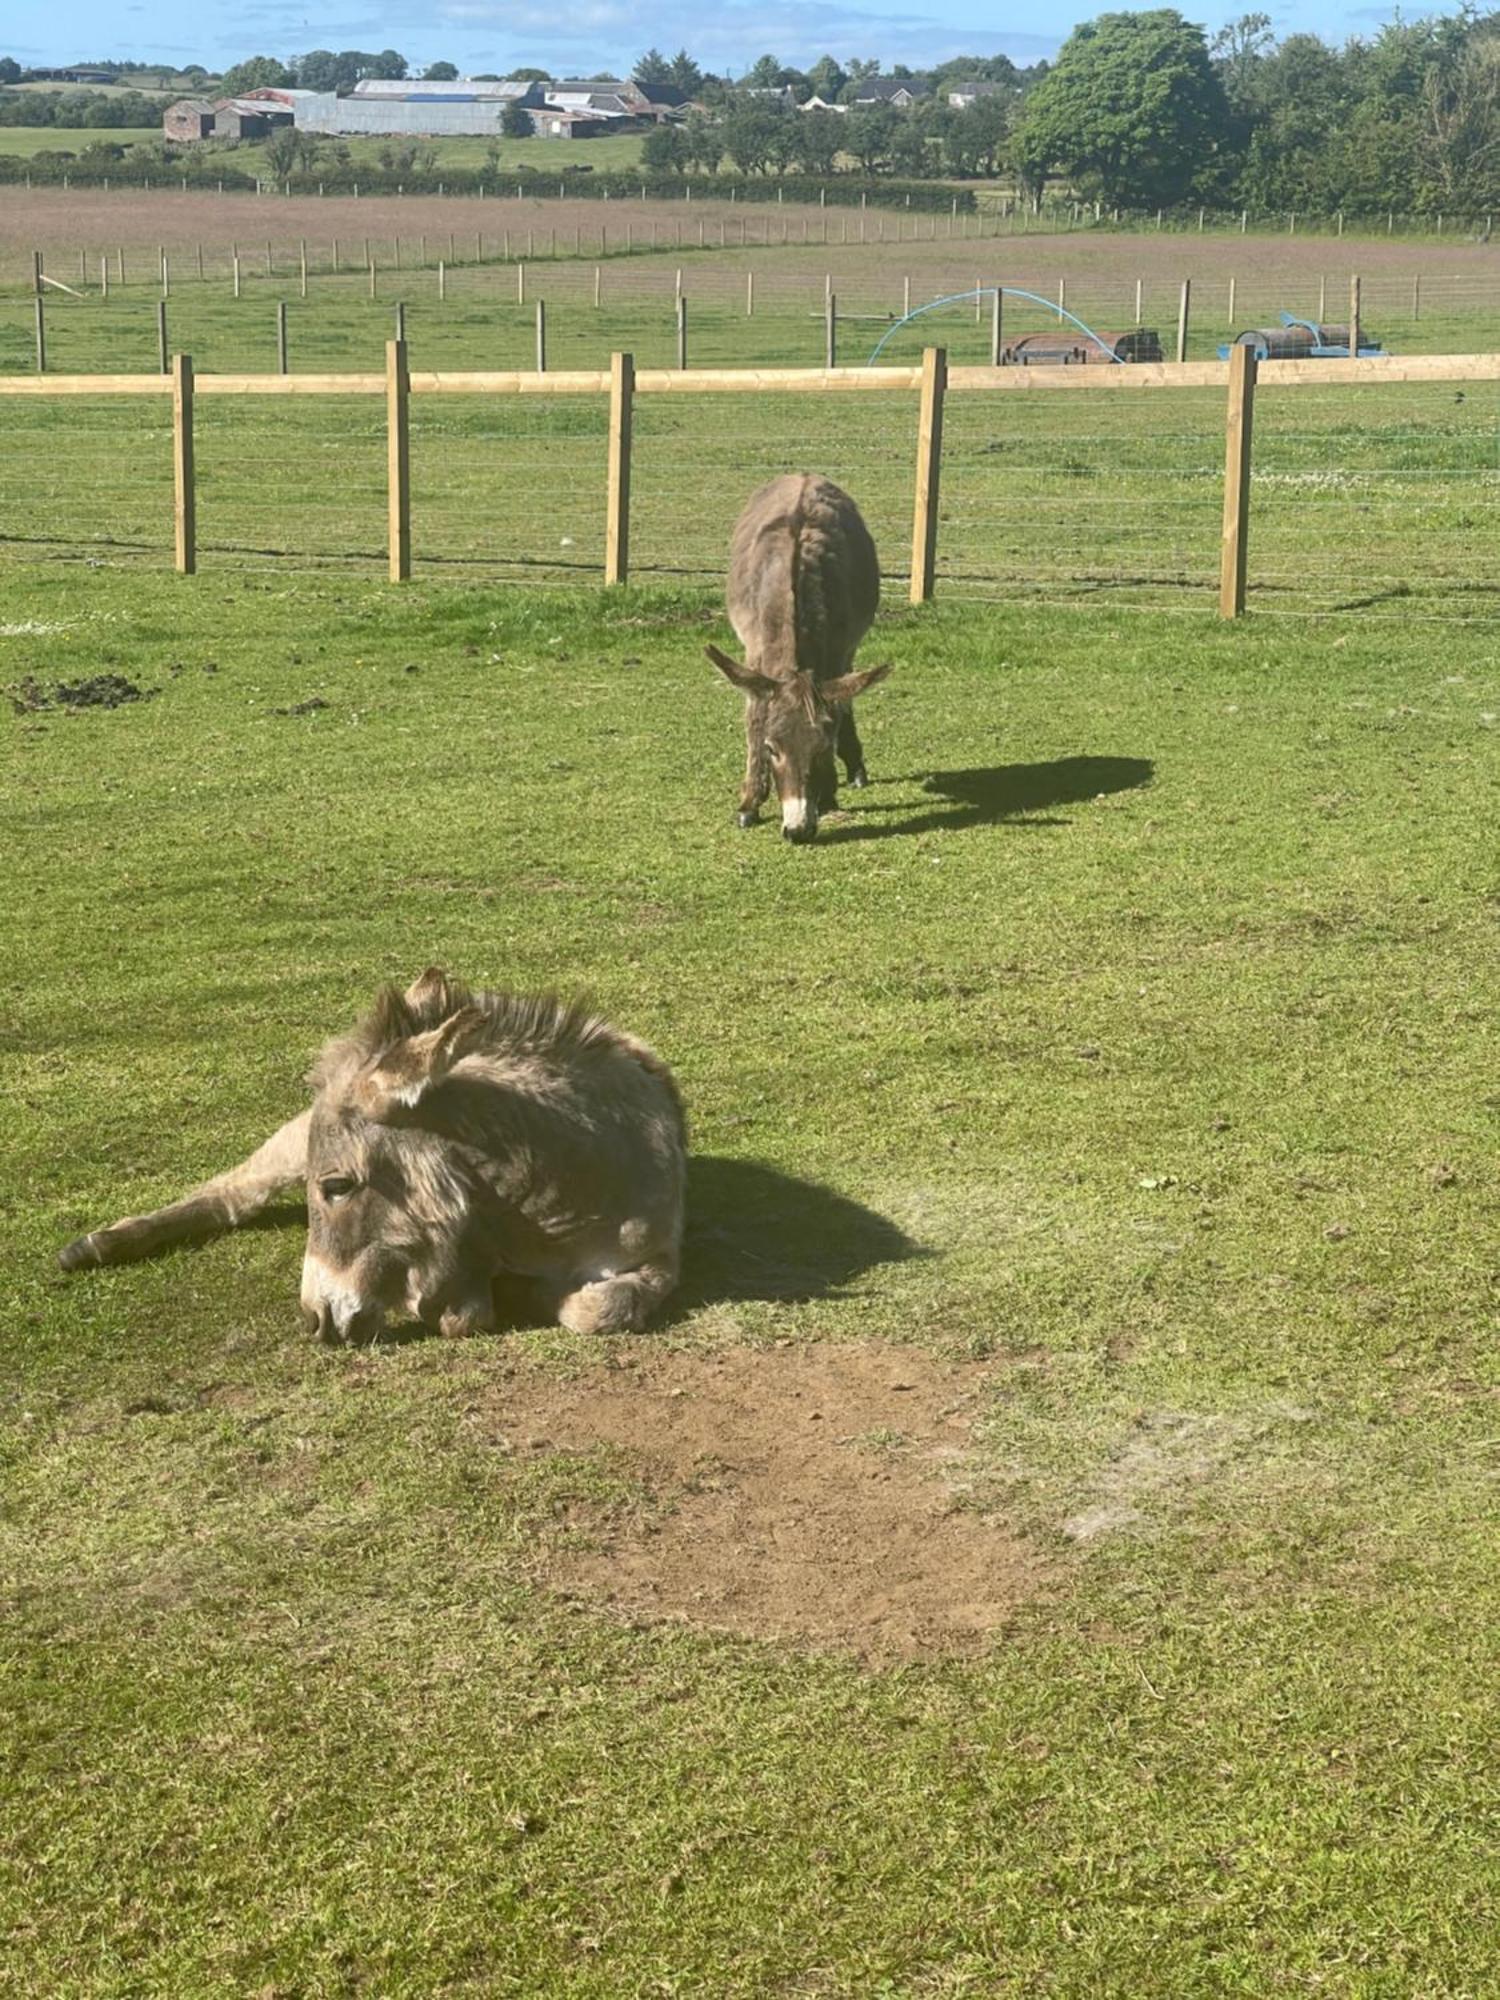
[1049, 1542]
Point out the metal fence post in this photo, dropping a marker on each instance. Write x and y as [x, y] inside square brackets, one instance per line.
[41, 335]
[161, 337]
[541, 336]
[281, 367]
[1183, 306]
[185, 491]
[831, 331]
[398, 459]
[617, 521]
[996, 314]
[1354, 318]
[1237, 451]
[929, 467]
[682, 330]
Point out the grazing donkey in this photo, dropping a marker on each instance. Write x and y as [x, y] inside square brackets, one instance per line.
[455, 1137]
[804, 586]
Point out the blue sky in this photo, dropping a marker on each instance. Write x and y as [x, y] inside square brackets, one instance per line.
[586, 35]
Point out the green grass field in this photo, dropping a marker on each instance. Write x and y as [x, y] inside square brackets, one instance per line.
[1147, 994]
[21, 141]
[1384, 498]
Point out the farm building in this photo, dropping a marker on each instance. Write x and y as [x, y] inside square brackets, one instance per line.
[551, 123]
[414, 110]
[255, 117]
[249, 118]
[189, 118]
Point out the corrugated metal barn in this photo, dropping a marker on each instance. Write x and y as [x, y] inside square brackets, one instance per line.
[456, 114]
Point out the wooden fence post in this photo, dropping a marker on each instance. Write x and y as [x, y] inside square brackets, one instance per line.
[161, 337]
[1183, 306]
[185, 509]
[398, 459]
[1354, 318]
[831, 331]
[41, 335]
[1237, 450]
[682, 330]
[996, 315]
[749, 294]
[301, 267]
[401, 319]
[617, 522]
[929, 466]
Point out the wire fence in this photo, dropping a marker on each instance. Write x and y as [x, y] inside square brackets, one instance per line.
[1381, 497]
[755, 315]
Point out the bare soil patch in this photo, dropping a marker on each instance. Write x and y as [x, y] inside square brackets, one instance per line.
[30, 696]
[813, 1494]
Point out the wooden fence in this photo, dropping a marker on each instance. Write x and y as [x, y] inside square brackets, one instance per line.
[931, 383]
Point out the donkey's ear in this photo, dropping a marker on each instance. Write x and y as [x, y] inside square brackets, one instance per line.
[405, 1072]
[849, 685]
[744, 678]
[435, 996]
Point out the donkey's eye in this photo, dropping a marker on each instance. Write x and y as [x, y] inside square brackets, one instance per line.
[336, 1187]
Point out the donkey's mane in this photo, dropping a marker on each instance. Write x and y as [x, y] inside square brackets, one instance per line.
[511, 1024]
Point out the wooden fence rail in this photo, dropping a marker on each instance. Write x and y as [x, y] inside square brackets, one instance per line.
[621, 383]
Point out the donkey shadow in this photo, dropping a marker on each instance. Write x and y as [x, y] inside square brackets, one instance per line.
[756, 1233]
[996, 793]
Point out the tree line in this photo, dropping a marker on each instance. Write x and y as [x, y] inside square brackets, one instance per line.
[1145, 111]
[1138, 111]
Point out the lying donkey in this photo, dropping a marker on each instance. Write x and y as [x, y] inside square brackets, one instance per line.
[455, 1137]
[804, 586]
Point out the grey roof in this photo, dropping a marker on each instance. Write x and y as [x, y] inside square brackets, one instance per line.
[881, 89]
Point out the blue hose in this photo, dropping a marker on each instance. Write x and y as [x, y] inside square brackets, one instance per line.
[987, 291]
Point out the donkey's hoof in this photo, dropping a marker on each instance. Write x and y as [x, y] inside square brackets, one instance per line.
[859, 779]
[747, 819]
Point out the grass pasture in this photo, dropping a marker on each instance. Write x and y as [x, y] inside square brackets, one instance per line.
[21, 141]
[1381, 498]
[1125, 1048]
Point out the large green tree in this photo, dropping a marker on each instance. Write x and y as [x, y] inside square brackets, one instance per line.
[258, 73]
[1133, 111]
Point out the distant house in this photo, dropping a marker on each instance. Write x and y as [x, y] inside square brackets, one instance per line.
[893, 90]
[189, 118]
[821, 104]
[962, 95]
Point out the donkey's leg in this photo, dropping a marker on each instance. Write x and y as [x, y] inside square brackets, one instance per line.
[851, 749]
[620, 1303]
[219, 1204]
[757, 777]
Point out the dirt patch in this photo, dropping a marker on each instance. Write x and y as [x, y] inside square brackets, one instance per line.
[814, 1494]
[30, 696]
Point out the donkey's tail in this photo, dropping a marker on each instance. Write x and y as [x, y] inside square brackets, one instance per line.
[219, 1204]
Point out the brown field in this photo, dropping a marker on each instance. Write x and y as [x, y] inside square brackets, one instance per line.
[717, 244]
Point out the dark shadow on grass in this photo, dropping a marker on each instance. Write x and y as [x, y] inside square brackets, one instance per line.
[995, 794]
[756, 1233]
